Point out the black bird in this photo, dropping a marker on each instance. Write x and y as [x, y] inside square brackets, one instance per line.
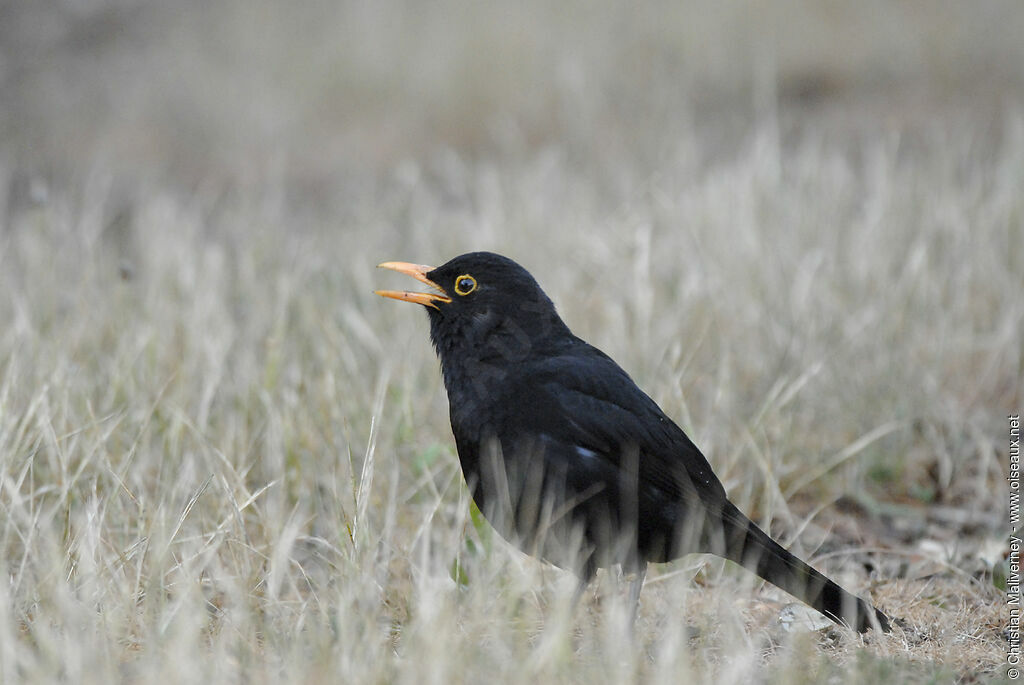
[571, 461]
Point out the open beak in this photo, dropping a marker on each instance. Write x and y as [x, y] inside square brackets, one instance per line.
[419, 272]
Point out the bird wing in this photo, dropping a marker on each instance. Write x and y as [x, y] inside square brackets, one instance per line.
[582, 399]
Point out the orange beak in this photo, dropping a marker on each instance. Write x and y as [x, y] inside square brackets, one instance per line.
[419, 272]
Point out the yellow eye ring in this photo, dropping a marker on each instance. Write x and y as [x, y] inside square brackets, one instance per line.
[465, 284]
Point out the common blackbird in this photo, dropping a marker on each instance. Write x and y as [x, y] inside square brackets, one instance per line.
[567, 458]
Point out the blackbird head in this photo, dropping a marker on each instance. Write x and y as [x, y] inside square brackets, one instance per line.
[484, 306]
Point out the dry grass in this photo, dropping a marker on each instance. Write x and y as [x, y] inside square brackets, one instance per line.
[222, 458]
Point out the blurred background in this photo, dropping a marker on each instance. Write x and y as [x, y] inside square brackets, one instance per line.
[318, 93]
[796, 224]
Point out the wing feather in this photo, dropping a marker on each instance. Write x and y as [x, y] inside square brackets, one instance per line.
[584, 399]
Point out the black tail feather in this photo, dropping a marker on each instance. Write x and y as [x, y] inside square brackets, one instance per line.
[752, 548]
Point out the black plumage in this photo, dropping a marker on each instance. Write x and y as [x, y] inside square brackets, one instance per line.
[568, 458]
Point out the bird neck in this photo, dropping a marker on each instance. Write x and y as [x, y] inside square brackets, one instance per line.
[478, 352]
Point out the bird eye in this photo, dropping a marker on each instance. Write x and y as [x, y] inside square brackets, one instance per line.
[465, 284]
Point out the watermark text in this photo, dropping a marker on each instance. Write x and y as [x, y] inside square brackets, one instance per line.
[1013, 654]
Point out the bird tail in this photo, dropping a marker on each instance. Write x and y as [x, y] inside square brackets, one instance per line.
[752, 548]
